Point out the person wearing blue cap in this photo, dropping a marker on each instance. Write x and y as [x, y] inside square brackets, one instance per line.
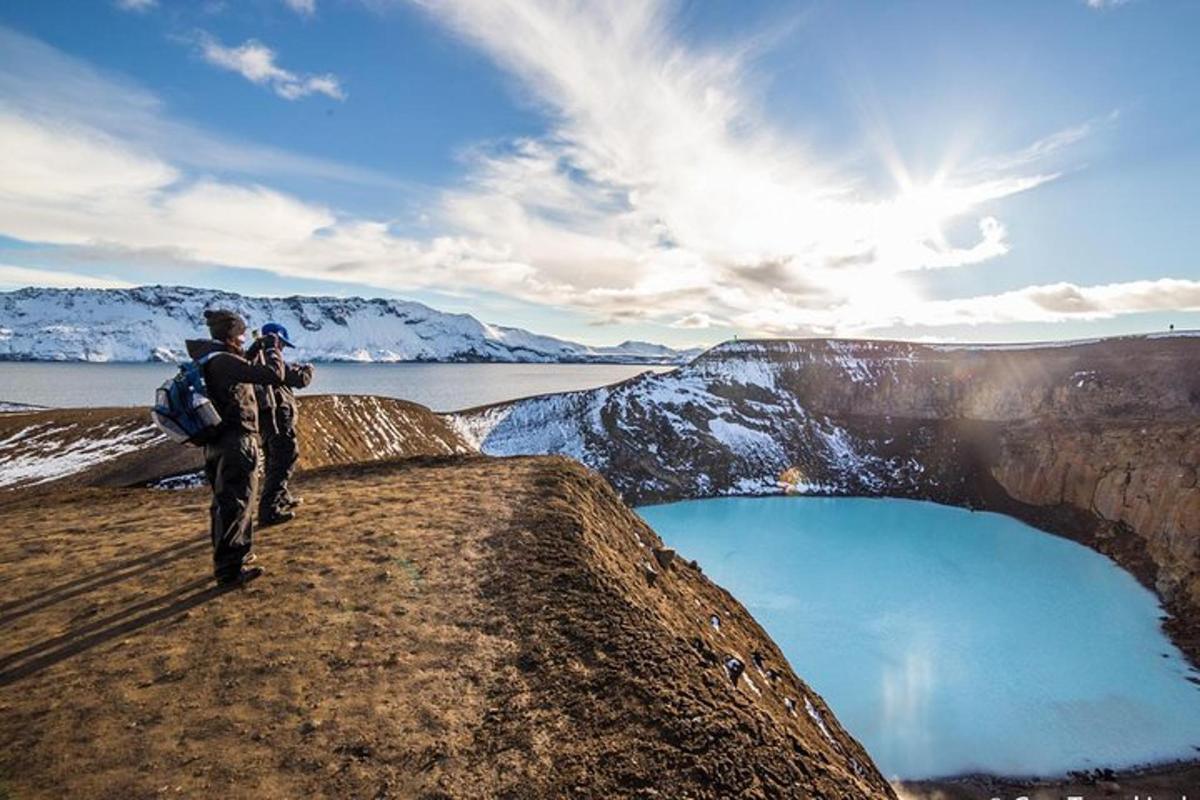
[277, 407]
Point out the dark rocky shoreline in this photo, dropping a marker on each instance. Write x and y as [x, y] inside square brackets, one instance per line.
[1170, 781]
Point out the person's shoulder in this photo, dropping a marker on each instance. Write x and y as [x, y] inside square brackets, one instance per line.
[226, 358]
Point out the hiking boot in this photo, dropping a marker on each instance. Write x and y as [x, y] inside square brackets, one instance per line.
[276, 518]
[292, 503]
[241, 577]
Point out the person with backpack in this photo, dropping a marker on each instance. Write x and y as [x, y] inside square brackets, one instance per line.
[231, 450]
[277, 418]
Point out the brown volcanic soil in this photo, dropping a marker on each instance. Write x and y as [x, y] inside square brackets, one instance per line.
[437, 628]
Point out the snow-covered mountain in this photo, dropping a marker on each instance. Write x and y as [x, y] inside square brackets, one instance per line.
[150, 323]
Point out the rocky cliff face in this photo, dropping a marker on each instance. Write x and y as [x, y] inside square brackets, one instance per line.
[1099, 441]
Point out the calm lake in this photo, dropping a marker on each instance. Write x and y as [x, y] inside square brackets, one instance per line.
[947, 641]
[442, 387]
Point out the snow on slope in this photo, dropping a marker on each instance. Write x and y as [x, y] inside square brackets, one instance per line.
[834, 416]
[151, 323]
[723, 424]
[47, 451]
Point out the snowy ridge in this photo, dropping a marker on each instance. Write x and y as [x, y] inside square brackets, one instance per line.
[866, 346]
[17, 408]
[44, 452]
[151, 324]
[721, 425]
[833, 416]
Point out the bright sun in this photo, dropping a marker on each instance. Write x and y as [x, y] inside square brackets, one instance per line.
[923, 210]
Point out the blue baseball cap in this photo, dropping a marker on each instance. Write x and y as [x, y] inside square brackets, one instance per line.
[278, 330]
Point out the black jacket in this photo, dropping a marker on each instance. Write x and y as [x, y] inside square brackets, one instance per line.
[277, 404]
[230, 381]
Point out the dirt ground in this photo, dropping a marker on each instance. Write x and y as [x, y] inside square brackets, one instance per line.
[455, 627]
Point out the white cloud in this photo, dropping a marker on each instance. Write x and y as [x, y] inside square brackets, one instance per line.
[305, 8]
[659, 178]
[659, 193]
[255, 62]
[138, 6]
[1100, 4]
[696, 320]
[1058, 302]
[12, 277]
[76, 186]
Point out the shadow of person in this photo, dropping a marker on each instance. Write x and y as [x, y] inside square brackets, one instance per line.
[38, 657]
[124, 569]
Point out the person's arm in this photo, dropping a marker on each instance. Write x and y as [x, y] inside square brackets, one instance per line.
[254, 351]
[268, 373]
[297, 376]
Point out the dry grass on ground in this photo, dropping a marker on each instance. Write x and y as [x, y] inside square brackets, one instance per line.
[455, 627]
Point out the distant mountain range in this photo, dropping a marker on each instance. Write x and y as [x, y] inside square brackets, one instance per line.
[150, 323]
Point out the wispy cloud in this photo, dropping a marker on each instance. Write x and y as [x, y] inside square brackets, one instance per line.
[305, 8]
[138, 6]
[12, 277]
[1101, 4]
[659, 178]
[255, 62]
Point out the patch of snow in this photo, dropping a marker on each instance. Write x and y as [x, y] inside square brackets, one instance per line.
[190, 480]
[17, 408]
[48, 452]
[817, 717]
[744, 440]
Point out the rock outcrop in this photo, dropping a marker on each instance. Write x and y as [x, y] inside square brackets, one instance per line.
[1098, 441]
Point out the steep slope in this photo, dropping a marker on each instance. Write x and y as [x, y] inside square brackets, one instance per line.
[121, 447]
[446, 628]
[150, 323]
[1093, 440]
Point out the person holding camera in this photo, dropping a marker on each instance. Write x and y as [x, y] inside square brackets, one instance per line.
[277, 411]
[231, 460]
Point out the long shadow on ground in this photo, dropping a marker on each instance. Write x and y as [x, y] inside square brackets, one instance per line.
[15, 609]
[50, 652]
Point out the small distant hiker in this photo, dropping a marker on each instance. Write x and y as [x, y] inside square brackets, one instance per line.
[231, 460]
[277, 412]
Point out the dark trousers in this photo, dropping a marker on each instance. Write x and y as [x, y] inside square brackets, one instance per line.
[281, 454]
[230, 464]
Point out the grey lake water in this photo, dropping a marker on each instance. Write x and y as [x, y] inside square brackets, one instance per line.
[948, 641]
[442, 387]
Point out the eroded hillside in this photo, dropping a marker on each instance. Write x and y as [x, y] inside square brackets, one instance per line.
[440, 628]
[121, 447]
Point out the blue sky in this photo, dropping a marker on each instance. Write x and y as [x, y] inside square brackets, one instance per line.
[604, 170]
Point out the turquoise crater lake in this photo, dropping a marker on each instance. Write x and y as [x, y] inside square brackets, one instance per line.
[948, 641]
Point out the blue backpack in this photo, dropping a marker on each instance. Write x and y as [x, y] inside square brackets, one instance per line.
[182, 408]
